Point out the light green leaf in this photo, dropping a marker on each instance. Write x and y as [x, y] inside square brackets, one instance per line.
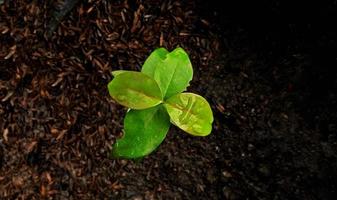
[118, 72]
[135, 90]
[172, 71]
[144, 131]
[191, 113]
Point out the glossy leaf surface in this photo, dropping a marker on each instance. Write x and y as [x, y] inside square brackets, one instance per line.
[172, 71]
[135, 90]
[191, 113]
[144, 131]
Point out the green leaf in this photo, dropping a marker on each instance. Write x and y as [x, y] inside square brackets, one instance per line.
[135, 90]
[172, 71]
[191, 113]
[144, 132]
[118, 72]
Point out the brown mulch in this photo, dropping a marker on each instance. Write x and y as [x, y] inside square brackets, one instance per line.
[275, 110]
[57, 120]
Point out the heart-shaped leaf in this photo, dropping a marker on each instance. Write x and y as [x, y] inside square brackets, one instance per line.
[135, 90]
[172, 71]
[191, 113]
[144, 131]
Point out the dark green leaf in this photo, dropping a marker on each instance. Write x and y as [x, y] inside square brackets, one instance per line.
[135, 90]
[191, 113]
[144, 131]
[172, 71]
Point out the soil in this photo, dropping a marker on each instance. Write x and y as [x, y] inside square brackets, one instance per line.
[268, 71]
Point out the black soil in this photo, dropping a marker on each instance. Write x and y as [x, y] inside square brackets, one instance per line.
[268, 70]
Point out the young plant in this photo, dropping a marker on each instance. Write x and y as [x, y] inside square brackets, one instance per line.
[155, 99]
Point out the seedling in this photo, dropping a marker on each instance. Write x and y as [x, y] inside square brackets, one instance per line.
[155, 99]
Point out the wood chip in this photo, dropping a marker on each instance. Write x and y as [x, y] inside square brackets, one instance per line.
[5, 134]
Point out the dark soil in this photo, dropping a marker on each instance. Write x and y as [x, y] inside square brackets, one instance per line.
[268, 70]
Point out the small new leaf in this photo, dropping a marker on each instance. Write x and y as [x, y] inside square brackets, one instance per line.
[135, 90]
[191, 113]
